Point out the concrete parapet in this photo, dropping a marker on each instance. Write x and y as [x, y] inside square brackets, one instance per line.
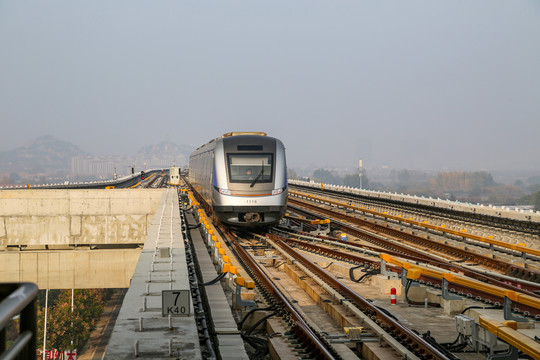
[69, 269]
[76, 217]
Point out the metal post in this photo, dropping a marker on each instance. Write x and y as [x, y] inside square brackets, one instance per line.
[507, 311]
[360, 171]
[72, 307]
[446, 294]
[29, 322]
[45, 323]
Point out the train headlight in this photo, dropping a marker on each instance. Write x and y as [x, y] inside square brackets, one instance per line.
[277, 191]
[225, 191]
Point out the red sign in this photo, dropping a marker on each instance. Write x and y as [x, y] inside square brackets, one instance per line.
[56, 354]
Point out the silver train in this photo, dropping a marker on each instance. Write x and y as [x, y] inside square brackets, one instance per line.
[243, 177]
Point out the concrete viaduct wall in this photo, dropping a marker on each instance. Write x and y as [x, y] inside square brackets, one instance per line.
[46, 236]
[35, 218]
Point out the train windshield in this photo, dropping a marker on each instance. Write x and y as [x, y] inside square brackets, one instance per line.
[250, 168]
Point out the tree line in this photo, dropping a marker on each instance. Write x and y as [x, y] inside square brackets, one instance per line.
[473, 187]
[67, 329]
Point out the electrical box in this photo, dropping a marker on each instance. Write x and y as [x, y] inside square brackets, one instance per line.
[464, 325]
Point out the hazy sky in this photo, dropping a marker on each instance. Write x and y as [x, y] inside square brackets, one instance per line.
[411, 84]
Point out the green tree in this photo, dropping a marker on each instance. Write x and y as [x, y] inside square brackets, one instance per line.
[14, 178]
[325, 176]
[536, 203]
[291, 174]
[353, 180]
[64, 326]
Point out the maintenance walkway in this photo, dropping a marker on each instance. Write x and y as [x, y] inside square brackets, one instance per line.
[141, 330]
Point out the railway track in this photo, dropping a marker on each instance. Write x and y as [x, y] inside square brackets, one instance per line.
[313, 343]
[372, 232]
[307, 338]
[332, 250]
[527, 228]
[156, 181]
[405, 336]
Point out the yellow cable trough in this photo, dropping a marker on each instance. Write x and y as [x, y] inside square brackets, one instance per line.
[507, 332]
[308, 221]
[242, 279]
[415, 271]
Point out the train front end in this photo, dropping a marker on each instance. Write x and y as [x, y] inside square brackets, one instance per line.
[249, 180]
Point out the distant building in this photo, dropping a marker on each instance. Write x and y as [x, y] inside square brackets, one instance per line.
[104, 167]
[101, 166]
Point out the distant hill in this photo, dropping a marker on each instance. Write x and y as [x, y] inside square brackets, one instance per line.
[40, 156]
[49, 155]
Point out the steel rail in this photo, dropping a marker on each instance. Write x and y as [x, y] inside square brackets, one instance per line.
[496, 245]
[492, 278]
[311, 341]
[405, 335]
[413, 256]
[513, 270]
[474, 218]
[459, 289]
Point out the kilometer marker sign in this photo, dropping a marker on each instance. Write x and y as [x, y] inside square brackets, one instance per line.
[175, 302]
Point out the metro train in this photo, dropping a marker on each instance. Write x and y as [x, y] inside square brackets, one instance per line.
[243, 177]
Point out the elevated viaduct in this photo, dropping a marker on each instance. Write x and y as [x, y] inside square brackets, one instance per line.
[64, 239]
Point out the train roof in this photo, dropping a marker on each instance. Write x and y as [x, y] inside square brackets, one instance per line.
[235, 133]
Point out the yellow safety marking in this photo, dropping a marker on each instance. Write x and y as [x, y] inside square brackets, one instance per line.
[513, 337]
[308, 221]
[137, 184]
[442, 228]
[458, 279]
[349, 328]
[511, 324]
[487, 288]
[414, 274]
[227, 267]
[391, 260]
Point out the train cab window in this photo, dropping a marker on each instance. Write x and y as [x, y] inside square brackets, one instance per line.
[246, 168]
